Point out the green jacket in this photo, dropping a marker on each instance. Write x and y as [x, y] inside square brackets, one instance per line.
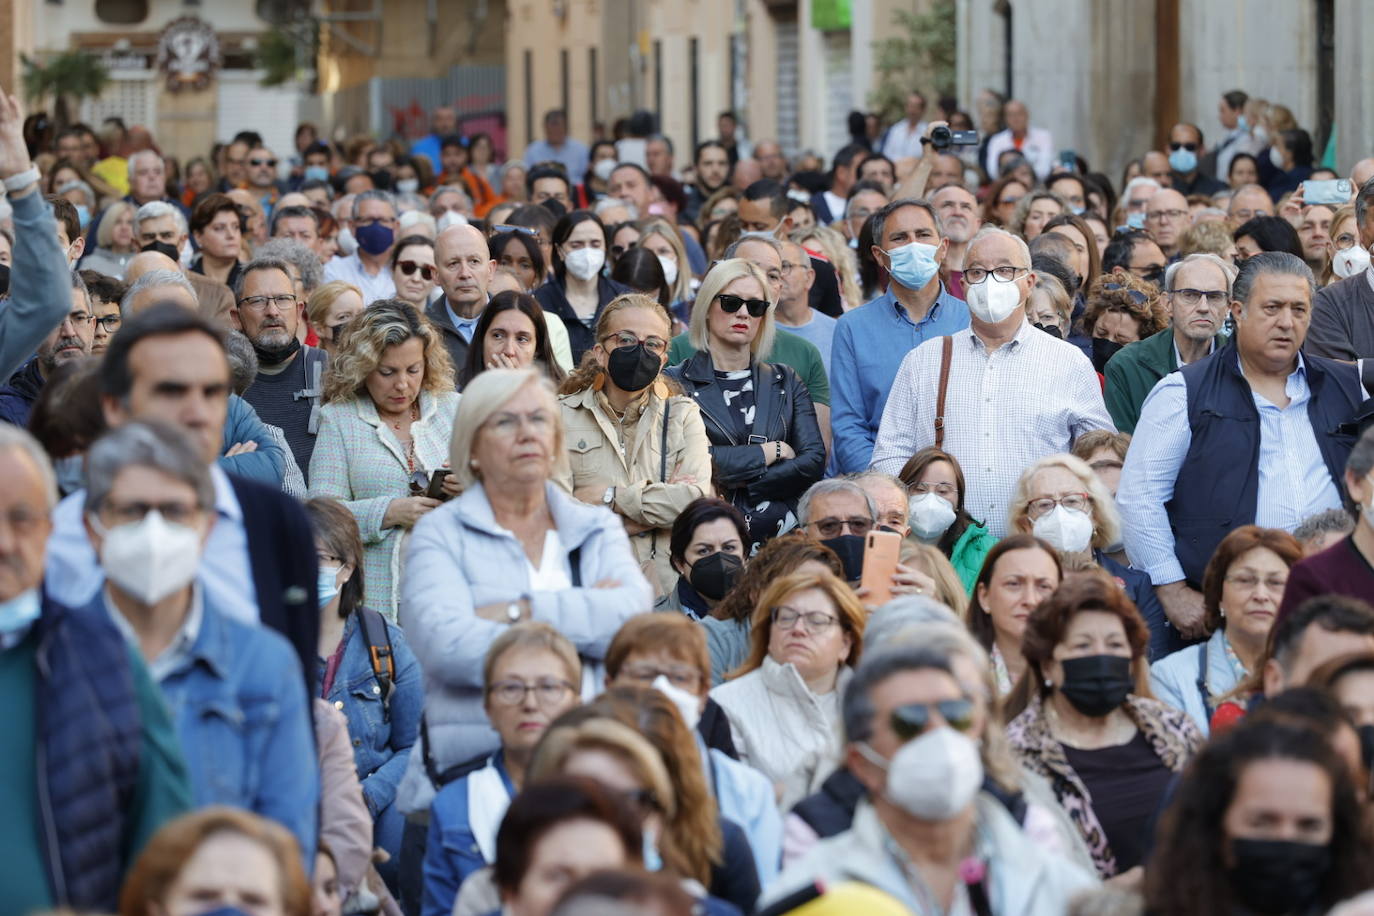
[969, 552]
[1133, 372]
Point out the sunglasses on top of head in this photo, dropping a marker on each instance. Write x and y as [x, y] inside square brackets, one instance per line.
[731, 304]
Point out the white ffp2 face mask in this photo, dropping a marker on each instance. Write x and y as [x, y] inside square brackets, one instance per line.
[993, 301]
[1066, 530]
[669, 266]
[933, 776]
[585, 263]
[929, 515]
[688, 704]
[151, 558]
[1350, 261]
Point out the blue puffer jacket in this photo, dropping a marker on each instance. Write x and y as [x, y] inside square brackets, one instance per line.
[267, 464]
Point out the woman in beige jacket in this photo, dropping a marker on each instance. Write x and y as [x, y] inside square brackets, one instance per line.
[634, 443]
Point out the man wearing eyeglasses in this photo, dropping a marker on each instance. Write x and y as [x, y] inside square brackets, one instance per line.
[1011, 394]
[70, 340]
[912, 747]
[1166, 218]
[1256, 433]
[1186, 150]
[286, 391]
[1197, 290]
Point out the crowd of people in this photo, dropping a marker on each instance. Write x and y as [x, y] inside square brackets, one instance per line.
[944, 529]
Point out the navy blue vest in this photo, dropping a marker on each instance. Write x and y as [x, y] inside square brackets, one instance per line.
[89, 733]
[1217, 489]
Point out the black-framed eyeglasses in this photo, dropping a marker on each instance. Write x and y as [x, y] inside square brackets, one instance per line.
[731, 304]
[547, 691]
[834, 527]
[260, 303]
[409, 267]
[786, 618]
[109, 322]
[1191, 296]
[1004, 274]
[912, 719]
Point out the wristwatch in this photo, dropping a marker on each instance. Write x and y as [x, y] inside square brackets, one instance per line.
[22, 180]
[608, 498]
[513, 612]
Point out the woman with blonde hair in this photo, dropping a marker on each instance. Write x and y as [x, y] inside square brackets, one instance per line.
[513, 547]
[765, 442]
[949, 588]
[658, 235]
[384, 431]
[783, 703]
[115, 244]
[329, 310]
[831, 244]
[218, 857]
[635, 444]
[1347, 256]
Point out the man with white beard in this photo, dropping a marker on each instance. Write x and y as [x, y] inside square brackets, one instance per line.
[960, 219]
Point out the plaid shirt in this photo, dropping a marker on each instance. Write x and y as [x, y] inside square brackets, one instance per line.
[1004, 410]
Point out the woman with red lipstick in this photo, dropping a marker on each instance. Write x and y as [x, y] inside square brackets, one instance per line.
[384, 429]
[765, 442]
[1241, 591]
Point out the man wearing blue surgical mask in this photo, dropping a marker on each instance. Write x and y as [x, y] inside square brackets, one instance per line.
[871, 341]
[1185, 152]
[369, 268]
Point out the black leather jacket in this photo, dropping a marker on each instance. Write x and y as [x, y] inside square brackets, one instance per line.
[782, 413]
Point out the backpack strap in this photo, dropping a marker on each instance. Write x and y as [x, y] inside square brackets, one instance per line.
[315, 361]
[379, 652]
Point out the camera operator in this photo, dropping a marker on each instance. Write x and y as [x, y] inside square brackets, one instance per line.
[937, 167]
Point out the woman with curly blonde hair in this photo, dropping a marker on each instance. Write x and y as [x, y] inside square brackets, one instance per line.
[384, 432]
[831, 243]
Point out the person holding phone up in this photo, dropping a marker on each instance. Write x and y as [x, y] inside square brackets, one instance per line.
[635, 445]
[382, 449]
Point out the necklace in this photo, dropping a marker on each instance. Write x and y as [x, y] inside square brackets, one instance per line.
[414, 415]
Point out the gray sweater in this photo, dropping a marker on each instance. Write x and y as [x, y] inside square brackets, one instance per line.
[39, 283]
[1343, 320]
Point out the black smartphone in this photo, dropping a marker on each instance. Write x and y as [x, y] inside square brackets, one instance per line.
[436, 485]
[1068, 159]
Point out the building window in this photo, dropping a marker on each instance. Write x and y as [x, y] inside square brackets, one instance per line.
[121, 12]
[594, 108]
[694, 100]
[658, 77]
[563, 73]
[529, 96]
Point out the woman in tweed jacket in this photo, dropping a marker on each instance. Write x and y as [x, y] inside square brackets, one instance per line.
[384, 429]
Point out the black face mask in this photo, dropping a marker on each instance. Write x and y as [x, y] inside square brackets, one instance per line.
[633, 368]
[1366, 733]
[1278, 876]
[850, 549]
[715, 574]
[1097, 684]
[166, 248]
[275, 356]
[1052, 330]
[1103, 350]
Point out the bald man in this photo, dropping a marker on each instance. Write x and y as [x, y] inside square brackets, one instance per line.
[1362, 172]
[212, 297]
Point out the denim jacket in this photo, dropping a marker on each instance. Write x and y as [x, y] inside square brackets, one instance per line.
[238, 701]
[381, 738]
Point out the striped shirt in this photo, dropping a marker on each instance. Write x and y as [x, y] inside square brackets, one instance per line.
[1005, 409]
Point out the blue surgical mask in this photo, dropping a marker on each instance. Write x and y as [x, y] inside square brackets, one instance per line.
[71, 473]
[854, 243]
[20, 611]
[83, 213]
[316, 173]
[326, 586]
[913, 265]
[1135, 220]
[1241, 123]
[1183, 160]
[652, 860]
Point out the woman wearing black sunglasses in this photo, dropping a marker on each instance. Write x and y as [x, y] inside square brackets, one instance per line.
[412, 269]
[765, 441]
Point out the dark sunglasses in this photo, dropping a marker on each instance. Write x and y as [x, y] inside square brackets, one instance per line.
[271, 162]
[419, 483]
[731, 304]
[1136, 295]
[1190, 147]
[914, 718]
[532, 233]
[409, 267]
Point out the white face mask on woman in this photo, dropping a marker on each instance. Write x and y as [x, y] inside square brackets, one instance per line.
[585, 263]
[1066, 530]
[929, 515]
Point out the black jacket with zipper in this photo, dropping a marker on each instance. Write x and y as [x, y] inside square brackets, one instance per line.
[782, 413]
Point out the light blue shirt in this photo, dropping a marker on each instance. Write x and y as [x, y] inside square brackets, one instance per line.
[820, 330]
[869, 345]
[572, 154]
[464, 326]
[74, 574]
[1294, 483]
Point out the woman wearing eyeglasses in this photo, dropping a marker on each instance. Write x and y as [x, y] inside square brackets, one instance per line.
[384, 430]
[1085, 720]
[765, 443]
[530, 677]
[635, 444]
[412, 269]
[933, 474]
[1241, 591]
[784, 701]
[1063, 502]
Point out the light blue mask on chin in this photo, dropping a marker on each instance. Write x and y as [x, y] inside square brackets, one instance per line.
[20, 611]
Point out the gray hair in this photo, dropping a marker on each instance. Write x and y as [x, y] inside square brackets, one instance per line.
[1332, 521]
[764, 237]
[257, 264]
[151, 279]
[856, 711]
[881, 217]
[306, 262]
[989, 231]
[1361, 460]
[157, 209]
[1269, 262]
[149, 445]
[828, 486]
[78, 283]
[1362, 200]
[901, 613]
[610, 203]
[449, 189]
[141, 154]
[1140, 181]
[243, 361]
[16, 437]
[84, 188]
[1227, 269]
[371, 194]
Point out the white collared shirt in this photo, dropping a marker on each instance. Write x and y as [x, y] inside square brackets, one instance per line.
[351, 270]
[170, 658]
